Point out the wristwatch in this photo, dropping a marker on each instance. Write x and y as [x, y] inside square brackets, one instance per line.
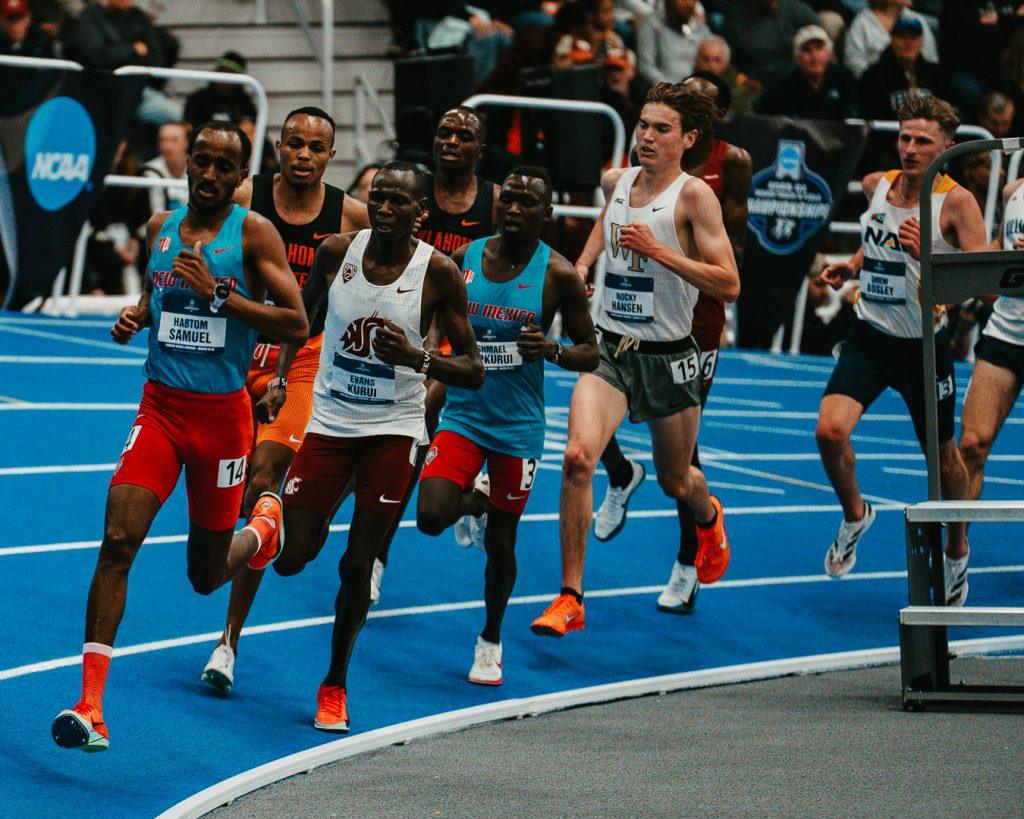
[559, 349]
[220, 295]
[277, 383]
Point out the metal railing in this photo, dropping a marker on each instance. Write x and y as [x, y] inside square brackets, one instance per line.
[366, 93]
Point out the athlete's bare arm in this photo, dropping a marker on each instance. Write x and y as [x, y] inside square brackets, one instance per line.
[243, 193]
[354, 215]
[737, 171]
[137, 316]
[563, 290]
[961, 223]
[699, 213]
[595, 242]
[838, 273]
[494, 202]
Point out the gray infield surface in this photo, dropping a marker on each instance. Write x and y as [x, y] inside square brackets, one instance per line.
[834, 744]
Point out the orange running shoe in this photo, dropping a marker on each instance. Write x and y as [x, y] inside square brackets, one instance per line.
[712, 547]
[81, 727]
[564, 614]
[267, 522]
[331, 709]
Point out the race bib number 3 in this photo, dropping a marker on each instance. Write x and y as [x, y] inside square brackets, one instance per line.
[883, 282]
[188, 326]
[629, 298]
[230, 472]
[686, 369]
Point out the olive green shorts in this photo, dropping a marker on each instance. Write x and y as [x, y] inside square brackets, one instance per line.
[655, 384]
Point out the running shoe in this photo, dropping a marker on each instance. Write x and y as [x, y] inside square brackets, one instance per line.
[842, 554]
[565, 614]
[486, 668]
[267, 522]
[331, 709]
[375, 578]
[680, 595]
[81, 728]
[713, 550]
[469, 531]
[611, 516]
[220, 669]
[955, 572]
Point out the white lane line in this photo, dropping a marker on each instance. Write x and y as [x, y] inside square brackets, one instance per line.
[757, 473]
[228, 790]
[7, 399]
[792, 415]
[781, 363]
[57, 469]
[6, 327]
[539, 517]
[69, 359]
[744, 487]
[894, 470]
[769, 382]
[33, 321]
[744, 402]
[63, 406]
[466, 605]
[807, 433]
[714, 455]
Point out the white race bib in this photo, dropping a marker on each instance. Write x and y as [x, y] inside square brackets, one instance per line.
[629, 298]
[500, 355]
[361, 381]
[883, 282]
[187, 325]
[686, 369]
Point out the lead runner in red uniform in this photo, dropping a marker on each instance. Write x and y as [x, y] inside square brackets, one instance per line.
[727, 170]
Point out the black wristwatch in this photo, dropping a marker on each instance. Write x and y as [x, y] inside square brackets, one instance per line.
[220, 295]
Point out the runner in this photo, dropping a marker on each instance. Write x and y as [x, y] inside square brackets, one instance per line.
[383, 288]
[305, 210]
[995, 382]
[664, 241]
[883, 348]
[212, 266]
[727, 170]
[461, 207]
[516, 284]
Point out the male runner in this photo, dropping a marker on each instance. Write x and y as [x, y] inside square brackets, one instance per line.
[727, 170]
[516, 284]
[995, 382]
[212, 266]
[883, 347]
[383, 289]
[305, 210]
[664, 241]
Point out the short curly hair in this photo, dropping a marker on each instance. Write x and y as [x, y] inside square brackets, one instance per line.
[697, 111]
[927, 106]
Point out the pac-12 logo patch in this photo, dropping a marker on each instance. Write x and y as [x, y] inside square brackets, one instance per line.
[347, 272]
[164, 243]
[431, 454]
[468, 275]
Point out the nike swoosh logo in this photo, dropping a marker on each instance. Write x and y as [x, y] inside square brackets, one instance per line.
[570, 617]
[655, 210]
[469, 224]
[317, 236]
[516, 497]
[407, 290]
[388, 500]
[222, 250]
[294, 440]
[525, 286]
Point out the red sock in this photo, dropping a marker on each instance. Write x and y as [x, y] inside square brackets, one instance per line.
[95, 665]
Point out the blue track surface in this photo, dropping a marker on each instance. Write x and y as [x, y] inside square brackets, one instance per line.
[170, 737]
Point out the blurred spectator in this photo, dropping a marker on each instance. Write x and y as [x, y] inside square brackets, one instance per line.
[360, 187]
[667, 41]
[714, 55]
[972, 36]
[113, 33]
[268, 159]
[996, 114]
[172, 141]
[974, 172]
[19, 35]
[453, 23]
[761, 34]
[221, 101]
[828, 314]
[869, 34]
[817, 88]
[51, 15]
[899, 71]
[526, 15]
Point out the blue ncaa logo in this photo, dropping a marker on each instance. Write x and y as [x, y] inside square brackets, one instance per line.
[60, 147]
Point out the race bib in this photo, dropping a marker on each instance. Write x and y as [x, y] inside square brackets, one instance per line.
[883, 282]
[708, 363]
[500, 355]
[362, 382]
[686, 369]
[629, 298]
[187, 325]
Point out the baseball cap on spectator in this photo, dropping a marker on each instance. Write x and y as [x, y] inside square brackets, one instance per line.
[810, 34]
[13, 8]
[231, 62]
[907, 27]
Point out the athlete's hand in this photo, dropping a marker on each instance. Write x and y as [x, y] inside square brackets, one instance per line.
[910, 236]
[270, 405]
[533, 344]
[638, 236]
[584, 273]
[131, 320]
[392, 347]
[419, 222]
[837, 274]
[192, 268]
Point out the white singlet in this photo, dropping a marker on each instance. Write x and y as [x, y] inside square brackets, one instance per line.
[355, 393]
[890, 280]
[642, 298]
[1007, 321]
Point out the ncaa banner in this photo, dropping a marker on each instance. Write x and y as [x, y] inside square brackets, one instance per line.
[58, 137]
[801, 169]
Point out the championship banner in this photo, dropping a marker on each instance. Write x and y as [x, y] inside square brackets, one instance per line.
[801, 170]
[59, 131]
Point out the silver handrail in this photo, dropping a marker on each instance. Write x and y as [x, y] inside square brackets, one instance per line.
[44, 63]
[365, 92]
[327, 56]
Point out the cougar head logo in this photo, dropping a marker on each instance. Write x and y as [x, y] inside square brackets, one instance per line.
[356, 339]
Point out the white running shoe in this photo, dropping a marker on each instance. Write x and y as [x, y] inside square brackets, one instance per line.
[486, 668]
[680, 595]
[375, 578]
[220, 670]
[611, 517]
[955, 572]
[469, 531]
[842, 554]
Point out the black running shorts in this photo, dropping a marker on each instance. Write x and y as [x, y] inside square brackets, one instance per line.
[1001, 354]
